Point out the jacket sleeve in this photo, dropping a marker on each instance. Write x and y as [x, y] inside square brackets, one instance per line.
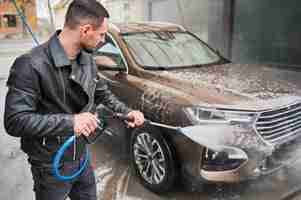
[104, 96]
[21, 116]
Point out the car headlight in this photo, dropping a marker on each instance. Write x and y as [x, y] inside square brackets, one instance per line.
[199, 115]
[228, 159]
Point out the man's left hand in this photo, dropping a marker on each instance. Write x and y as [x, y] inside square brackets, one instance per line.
[138, 119]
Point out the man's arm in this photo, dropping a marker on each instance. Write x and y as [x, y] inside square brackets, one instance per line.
[106, 97]
[21, 118]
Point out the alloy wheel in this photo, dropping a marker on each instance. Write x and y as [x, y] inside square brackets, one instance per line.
[149, 158]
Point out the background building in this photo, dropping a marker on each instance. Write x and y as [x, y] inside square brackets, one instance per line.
[10, 22]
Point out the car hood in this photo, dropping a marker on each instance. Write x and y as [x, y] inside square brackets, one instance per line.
[249, 86]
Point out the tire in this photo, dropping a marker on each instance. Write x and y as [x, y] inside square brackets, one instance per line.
[152, 159]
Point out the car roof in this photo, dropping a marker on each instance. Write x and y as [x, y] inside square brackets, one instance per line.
[138, 27]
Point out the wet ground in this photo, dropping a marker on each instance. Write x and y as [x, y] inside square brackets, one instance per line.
[115, 179]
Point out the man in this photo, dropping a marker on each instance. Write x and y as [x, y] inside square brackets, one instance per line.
[53, 93]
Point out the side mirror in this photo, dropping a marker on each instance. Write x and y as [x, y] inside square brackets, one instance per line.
[106, 63]
[108, 58]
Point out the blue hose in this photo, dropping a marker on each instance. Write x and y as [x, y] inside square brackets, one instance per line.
[58, 156]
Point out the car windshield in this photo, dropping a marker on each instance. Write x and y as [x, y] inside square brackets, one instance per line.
[169, 50]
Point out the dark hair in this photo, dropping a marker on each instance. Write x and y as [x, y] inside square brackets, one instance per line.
[89, 11]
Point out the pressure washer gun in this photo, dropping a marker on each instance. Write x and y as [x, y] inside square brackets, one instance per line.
[91, 139]
[102, 123]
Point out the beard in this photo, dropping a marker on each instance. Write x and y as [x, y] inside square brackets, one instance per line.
[92, 50]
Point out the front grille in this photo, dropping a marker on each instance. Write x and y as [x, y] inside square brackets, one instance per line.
[277, 125]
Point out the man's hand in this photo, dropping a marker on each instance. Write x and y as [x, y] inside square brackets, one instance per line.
[138, 119]
[85, 123]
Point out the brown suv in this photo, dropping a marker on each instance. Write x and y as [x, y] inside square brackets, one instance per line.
[218, 121]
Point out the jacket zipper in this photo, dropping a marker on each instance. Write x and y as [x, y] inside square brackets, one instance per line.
[63, 83]
[64, 99]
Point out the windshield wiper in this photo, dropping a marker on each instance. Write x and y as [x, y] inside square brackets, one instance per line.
[155, 68]
[172, 67]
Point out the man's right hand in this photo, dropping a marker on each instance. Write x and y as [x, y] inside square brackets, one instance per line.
[85, 123]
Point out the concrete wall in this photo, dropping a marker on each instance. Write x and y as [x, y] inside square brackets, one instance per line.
[192, 14]
[257, 31]
[126, 10]
[220, 25]
[267, 31]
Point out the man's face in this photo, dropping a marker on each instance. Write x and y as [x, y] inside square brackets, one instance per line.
[91, 37]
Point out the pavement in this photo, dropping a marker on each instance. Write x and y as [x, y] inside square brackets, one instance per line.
[15, 177]
[115, 179]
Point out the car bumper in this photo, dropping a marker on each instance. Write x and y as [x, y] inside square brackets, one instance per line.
[258, 164]
[262, 159]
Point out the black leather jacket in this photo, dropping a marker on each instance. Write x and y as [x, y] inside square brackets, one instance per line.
[36, 109]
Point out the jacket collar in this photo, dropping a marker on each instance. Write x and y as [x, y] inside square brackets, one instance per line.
[59, 55]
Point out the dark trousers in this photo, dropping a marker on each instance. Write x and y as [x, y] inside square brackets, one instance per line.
[47, 187]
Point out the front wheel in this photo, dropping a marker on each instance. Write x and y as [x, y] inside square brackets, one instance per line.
[152, 159]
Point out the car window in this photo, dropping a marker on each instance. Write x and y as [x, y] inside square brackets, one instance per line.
[169, 49]
[109, 54]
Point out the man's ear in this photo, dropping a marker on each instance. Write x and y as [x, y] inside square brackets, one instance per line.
[84, 29]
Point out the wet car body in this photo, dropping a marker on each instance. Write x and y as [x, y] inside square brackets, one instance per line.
[225, 122]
